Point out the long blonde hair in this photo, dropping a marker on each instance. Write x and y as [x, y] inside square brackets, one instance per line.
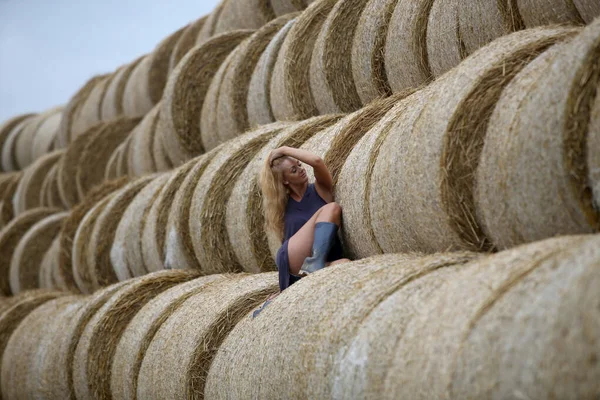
[275, 196]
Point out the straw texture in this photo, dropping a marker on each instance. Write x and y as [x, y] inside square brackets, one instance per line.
[6, 206]
[588, 10]
[9, 125]
[27, 194]
[177, 360]
[282, 7]
[291, 98]
[43, 142]
[9, 148]
[208, 30]
[50, 193]
[112, 104]
[248, 14]
[186, 41]
[90, 112]
[136, 95]
[159, 66]
[445, 48]
[140, 155]
[537, 13]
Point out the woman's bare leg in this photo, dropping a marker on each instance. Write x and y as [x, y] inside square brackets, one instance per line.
[300, 245]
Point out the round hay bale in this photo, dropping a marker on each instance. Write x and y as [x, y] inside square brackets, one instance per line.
[155, 225]
[93, 356]
[182, 104]
[209, 200]
[136, 96]
[126, 250]
[7, 126]
[90, 112]
[43, 142]
[101, 239]
[112, 103]
[438, 152]
[122, 166]
[159, 66]
[10, 236]
[71, 111]
[27, 194]
[546, 113]
[68, 164]
[200, 323]
[232, 113]
[9, 147]
[248, 14]
[593, 158]
[368, 50]
[282, 7]
[245, 221]
[179, 251]
[343, 295]
[331, 79]
[548, 12]
[111, 166]
[96, 153]
[6, 179]
[49, 265]
[50, 193]
[444, 46]
[140, 157]
[61, 381]
[26, 141]
[258, 102]
[186, 41]
[139, 333]
[26, 261]
[27, 350]
[482, 22]
[6, 208]
[160, 156]
[589, 10]
[406, 59]
[208, 30]
[291, 98]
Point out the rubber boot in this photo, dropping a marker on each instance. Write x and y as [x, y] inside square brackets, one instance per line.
[323, 241]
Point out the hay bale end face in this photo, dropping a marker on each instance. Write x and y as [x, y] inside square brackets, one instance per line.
[200, 325]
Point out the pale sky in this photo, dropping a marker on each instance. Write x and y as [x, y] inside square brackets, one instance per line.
[48, 49]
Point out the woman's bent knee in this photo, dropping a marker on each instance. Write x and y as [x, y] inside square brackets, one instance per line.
[333, 211]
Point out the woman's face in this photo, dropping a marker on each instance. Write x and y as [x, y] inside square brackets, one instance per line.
[293, 172]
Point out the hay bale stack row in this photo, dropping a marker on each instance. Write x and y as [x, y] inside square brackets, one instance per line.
[448, 325]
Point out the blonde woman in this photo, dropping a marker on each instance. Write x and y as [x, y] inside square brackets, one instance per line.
[302, 214]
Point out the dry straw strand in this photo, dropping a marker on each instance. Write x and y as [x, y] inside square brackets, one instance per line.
[291, 97]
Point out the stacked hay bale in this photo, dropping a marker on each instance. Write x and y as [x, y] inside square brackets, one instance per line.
[6, 131]
[368, 331]
[27, 193]
[8, 187]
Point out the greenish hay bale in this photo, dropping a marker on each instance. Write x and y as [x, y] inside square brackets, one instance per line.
[186, 41]
[61, 381]
[75, 219]
[461, 308]
[179, 251]
[27, 194]
[354, 183]
[141, 157]
[450, 131]
[138, 335]
[30, 310]
[111, 166]
[208, 206]
[136, 97]
[10, 236]
[291, 98]
[282, 7]
[101, 239]
[208, 29]
[26, 261]
[93, 356]
[96, 153]
[112, 103]
[482, 21]
[182, 104]
[90, 112]
[368, 50]
[9, 147]
[546, 113]
[539, 13]
[122, 167]
[126, 250]
[48, 266]
[248, 14]
[245, 221]
[180, 354]
[68, 164]
[159, 68]
[6, 207]
[331, 79]
[406, 59]
[335, 301]
[43, 142]
[444, 45]
[26, 351]
[7, 126]
[155, 226]
[232, 113]
[71, 111]
[589, 10]
[258, 103]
